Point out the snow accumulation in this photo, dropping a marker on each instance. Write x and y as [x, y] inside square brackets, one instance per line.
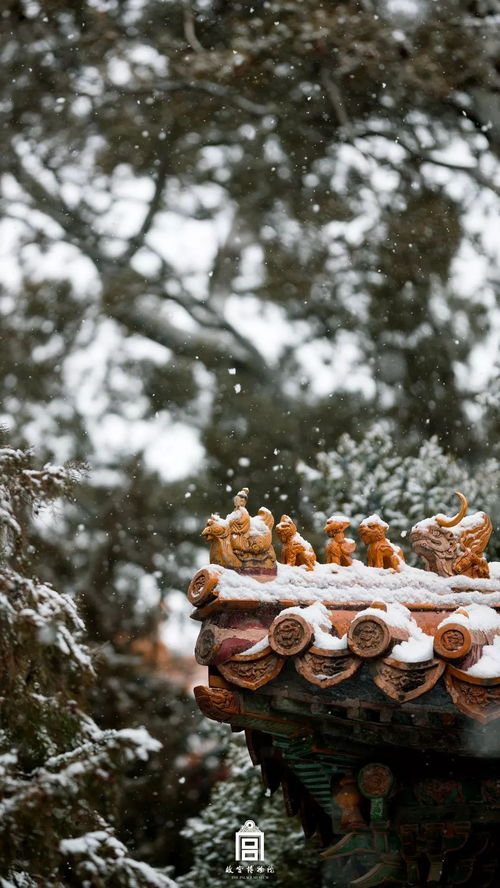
[415, 650]
[374, 519]
[418, 647]
[359, 583]
[488, 666]
[467, 523]
[317, 617]
[396, 615]
[297, 538]
[100, 850]
[143, 742]
[329, 583]
[259, 646]
[20, 880]
[90, 842]
[257, 523]
[477, 617]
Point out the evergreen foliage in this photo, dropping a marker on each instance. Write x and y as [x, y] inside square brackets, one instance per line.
[242, 797]
[375, 475]
[160, 792]
[60, 774]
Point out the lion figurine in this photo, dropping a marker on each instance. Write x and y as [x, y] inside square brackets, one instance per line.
[339, 548]
[296, 550]
[381, 552]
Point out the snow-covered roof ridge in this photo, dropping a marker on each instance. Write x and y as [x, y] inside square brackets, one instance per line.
[359, 583]
[476, 617]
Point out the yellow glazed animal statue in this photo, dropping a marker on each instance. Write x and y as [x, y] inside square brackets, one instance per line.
[339, 548]
[296, 550]
[381, 552]
[451, 546]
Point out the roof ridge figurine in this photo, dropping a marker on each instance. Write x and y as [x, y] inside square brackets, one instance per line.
[448, 546]
[221, 550]
[453, 546]
[296, 551]
[241, 541]
[381, 552]
[339, 548]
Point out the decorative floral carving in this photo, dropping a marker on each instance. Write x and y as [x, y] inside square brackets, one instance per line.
[478, 698]
[326, 669]
[438, 791]
[217, 703]
[452, 641]
[252, 674]
[475, 695]
[406, 681]
[403, 682]
[375, 780]
[202, 586]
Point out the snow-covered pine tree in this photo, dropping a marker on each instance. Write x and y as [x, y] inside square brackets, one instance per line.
[374, 475]
[295, 862]
[59, 773]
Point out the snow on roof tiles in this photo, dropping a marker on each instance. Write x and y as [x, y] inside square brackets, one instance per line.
[359, 583]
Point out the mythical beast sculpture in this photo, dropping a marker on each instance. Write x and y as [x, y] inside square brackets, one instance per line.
[339, 548]
[451, 546]
[381, 552]
[296, 550]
